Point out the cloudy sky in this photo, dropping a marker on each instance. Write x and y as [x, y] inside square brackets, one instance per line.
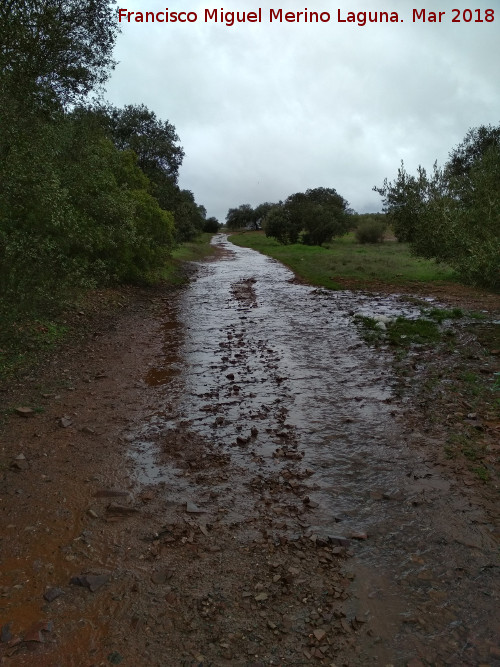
[264, 110]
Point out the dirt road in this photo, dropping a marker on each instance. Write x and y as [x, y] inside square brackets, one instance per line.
[228, 477]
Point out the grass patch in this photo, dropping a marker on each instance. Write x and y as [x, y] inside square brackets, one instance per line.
[401, 332]
[390, 262]
[404, 332]
[196, 249]
[442, 314]
[174, 272]
[482, 473]
[20, 342]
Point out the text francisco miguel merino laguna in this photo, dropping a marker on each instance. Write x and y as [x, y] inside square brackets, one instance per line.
[274, 16]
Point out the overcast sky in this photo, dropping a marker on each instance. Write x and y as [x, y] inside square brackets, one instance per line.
[264, 110]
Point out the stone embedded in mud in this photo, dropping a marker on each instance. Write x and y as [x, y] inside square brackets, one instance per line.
[5, 633]
[319, 633]
[191, 508]
[162, 576]
[24, 411]
[393, 494]
[110, 493]
[20, 465]
[34, 632]
[359, 535]
[52, 593]
[91, 581]
[122, 510]
[339, 540]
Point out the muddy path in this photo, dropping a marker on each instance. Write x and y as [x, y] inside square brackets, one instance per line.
[229, 478]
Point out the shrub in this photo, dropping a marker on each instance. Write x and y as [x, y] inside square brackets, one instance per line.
[370, 231]
[211, 226]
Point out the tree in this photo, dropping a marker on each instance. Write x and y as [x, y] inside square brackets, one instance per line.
[278, 224]
[474, 146]
[55, 50]
[403, 200]
[189, 217]
[242, 216]
[211, 225]
[260, 213]
[154, 141]
[320, 212]
[453, 214]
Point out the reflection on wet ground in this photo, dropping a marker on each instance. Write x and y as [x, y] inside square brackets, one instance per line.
[269, 373]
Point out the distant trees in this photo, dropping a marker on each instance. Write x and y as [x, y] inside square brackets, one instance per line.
[211, 225]
[278, 224]
[453, 213]
[313, 217]
[240, 217]
[370, 228]
[320, 212]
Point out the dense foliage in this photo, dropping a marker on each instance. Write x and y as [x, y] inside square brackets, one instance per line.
[313, 217]
[370, 229]
[453, 213]
[88, 192]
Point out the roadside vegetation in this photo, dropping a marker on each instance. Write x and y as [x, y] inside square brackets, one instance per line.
[451, 215]
[446, 363]
[29, 340]
[89, 194]
[345, 257]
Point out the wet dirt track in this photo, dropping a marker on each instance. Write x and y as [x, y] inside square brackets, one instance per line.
[276, 509]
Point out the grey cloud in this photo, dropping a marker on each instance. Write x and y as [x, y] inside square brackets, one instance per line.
[266, 110]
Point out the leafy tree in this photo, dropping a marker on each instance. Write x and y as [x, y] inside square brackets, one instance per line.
[403, 202]
[189, 216]
[453, 214]
[154, 141]
[211, 225]
[260, 213]
[278, 224]
[475, 145]
[370, 229]
[242, 216]
[320, 212]
[55, 50]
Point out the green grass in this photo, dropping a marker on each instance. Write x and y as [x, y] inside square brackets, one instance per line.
[174, 273]
[20, 342]
[441, 314]
[404, 332]
[390, 262]
[193, 250]
[401, 333]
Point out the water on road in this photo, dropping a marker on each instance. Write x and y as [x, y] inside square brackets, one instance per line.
[273, 372]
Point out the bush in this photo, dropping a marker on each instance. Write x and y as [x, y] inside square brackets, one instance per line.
[370, 231]
[211, 226]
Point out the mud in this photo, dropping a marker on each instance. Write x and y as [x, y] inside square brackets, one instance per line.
[241, 474]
